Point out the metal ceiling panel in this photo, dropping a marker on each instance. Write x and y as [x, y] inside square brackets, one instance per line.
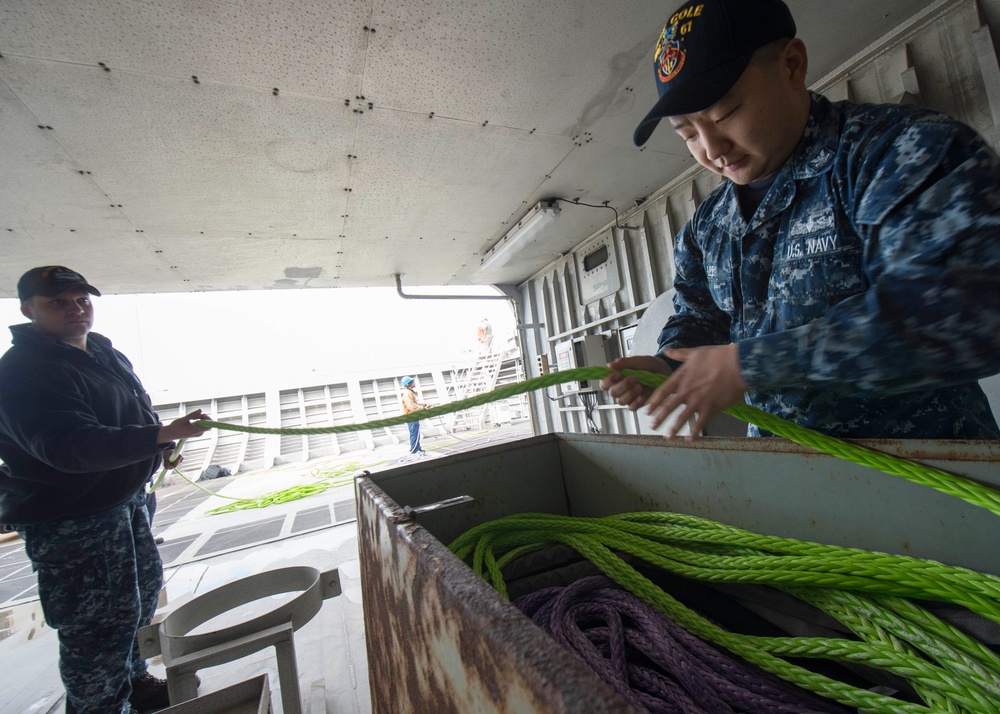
[313, 48]
[517, 63]
[191, 157]
[449, 184]
[115, 259]
[254, 263]
[305, 154]
[834, 32]
[40, 186]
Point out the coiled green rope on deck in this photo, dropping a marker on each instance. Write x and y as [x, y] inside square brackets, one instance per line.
[951, 671]
[969, 491]
[325, 480]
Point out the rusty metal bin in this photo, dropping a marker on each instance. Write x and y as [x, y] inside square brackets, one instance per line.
[441, 639]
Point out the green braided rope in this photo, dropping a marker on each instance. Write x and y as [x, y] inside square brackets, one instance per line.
[950, 670]
[327, 479]
[883, 622]
[850, 569]
[504, 392]
[867, 569]
[331, 478]
[199, 486]
[922, 474]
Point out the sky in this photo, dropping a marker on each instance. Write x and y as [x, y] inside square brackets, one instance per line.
[200, 345]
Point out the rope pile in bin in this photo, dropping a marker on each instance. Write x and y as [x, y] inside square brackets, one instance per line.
[925, 475]
[653, 663]
[950, 671]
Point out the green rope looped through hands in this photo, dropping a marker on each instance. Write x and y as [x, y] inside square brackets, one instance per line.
[969, 491]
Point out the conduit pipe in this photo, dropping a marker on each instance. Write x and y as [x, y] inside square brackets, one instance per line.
[405, 296]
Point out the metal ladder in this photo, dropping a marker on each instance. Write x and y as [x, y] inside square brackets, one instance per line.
[478, 379]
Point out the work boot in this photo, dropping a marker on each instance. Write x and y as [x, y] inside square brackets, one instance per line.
[149, 694]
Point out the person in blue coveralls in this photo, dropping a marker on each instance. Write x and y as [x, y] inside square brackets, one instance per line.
[80, 441]
[845, 275]
[410, 405]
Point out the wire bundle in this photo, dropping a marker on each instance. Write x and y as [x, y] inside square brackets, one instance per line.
[652, 662]
[951, 671]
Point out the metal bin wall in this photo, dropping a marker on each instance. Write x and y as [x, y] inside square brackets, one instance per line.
[440, 639]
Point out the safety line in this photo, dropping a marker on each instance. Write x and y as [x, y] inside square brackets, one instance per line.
[923, 474]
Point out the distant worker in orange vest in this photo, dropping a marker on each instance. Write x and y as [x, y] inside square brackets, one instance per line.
[410, 405]
[484, 335]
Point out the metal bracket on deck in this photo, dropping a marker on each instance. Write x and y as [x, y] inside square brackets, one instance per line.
[184, 654]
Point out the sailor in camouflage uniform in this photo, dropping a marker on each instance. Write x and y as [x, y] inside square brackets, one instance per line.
[80, 440]
[846, 275]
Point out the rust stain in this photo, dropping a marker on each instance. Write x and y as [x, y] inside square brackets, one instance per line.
[916, 450]
[440, 639]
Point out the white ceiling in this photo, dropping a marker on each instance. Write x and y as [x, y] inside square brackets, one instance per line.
[333, 143]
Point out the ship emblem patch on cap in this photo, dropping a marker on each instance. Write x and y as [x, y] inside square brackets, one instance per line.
[670, 53]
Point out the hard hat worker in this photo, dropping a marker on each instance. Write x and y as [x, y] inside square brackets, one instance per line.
[410, 405]
[845, 275]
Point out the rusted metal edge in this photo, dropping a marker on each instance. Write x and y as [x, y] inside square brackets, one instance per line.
[448, 641]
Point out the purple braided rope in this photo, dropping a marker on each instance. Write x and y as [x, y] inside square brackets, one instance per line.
[654, 663]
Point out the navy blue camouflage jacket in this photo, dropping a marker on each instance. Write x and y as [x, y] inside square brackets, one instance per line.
[864, 293]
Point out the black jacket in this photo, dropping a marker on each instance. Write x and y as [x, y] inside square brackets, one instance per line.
[77, 429]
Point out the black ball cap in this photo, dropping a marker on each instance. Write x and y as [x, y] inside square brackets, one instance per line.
[704, 48]
[49, 281]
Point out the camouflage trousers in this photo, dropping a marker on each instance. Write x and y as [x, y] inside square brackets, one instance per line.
[99, 578]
